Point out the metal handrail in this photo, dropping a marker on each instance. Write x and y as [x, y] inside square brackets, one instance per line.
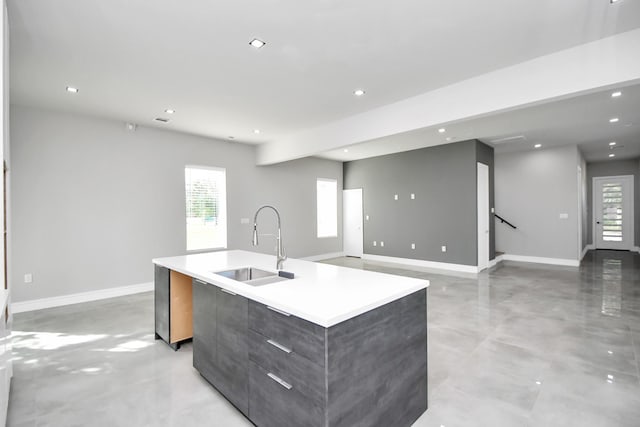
[504, 221]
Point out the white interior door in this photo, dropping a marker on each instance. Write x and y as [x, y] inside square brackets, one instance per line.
[483, 216]
[613, 212]
[352, 222]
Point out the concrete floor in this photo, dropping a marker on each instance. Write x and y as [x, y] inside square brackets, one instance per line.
[520, 345]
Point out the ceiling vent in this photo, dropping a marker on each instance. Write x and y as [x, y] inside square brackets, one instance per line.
[509, 139]
[162, 120]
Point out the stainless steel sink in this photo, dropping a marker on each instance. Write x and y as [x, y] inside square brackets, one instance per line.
[252, 276]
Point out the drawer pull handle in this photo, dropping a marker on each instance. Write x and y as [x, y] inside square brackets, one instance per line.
[280, 381]
[279, 346]
[201, 282]
[284, 313]
[227, 292]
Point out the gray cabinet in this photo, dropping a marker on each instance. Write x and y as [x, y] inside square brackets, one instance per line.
[283, 371]
[205, 329]
[220, 347]
[370, 370]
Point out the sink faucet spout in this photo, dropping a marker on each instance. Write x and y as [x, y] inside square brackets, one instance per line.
[281, 256]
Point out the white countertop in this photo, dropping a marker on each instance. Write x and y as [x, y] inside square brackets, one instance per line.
[320, 293]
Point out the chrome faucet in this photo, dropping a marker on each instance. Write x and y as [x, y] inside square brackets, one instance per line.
[281, 256]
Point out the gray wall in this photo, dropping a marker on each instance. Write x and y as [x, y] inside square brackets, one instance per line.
[443, 178]
[93, 203]
[614, 168]
[532, 189]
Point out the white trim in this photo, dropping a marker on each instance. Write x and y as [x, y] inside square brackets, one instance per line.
[498, 259]
[39, 304]
[322, 257]
[421, 263]
[542, 260]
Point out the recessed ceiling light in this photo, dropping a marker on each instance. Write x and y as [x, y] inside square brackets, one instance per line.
[616, 94]
[256, 131]
[538, 382]
[442, 130]
[614, 120]
[257, 43]
[169, 111]
[612, 143]
[612, 155]
[346, 150]
[358, 92]
[72, 89]
[162, 120]
[537, 146]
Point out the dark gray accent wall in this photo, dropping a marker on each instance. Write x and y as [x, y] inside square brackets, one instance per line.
[443, 179]
[613, 168]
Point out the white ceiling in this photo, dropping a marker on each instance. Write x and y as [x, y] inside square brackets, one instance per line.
[133, 59]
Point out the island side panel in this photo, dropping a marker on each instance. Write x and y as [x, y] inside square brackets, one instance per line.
[161, 302]
[377, 365]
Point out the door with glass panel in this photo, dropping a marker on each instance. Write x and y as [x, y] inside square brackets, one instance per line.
[613, 212]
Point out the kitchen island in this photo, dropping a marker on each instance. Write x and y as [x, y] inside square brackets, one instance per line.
[331, 347]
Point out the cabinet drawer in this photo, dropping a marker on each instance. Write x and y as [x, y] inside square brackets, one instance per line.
[305, 376]
[273, 404]
[302, 337]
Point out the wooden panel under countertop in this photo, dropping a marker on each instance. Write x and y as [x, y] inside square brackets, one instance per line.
[181, 307]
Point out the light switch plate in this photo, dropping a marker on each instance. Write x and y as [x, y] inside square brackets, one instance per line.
[28, 278]
[395, 196]
[375, 243]
[413, 246]
[444, 248]
[367, 217]
[413, 196]
[493, 210]
[381, 243]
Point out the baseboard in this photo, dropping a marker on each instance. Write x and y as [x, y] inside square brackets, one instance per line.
[587, 249]
[322, 257]
[42, 303]
[542, 260]
[422, 263]
[496, 260]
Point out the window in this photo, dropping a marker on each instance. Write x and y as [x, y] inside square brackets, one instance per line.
[206, 203]
[327, 207]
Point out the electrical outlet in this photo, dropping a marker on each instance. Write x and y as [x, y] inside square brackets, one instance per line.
[375, 243]
[444, 248]
[413, 246]
[413, 196]
[381, 243]
[28, 278]
[395, 197]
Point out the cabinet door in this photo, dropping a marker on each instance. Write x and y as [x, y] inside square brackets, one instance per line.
[161, 296]
[233, 349]
[204, 329]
